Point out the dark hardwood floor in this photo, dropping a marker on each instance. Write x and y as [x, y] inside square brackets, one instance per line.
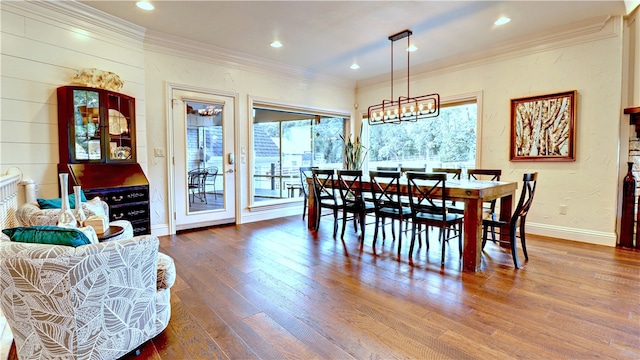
[274, 290]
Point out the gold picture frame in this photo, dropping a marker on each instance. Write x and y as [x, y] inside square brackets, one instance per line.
[543, 128]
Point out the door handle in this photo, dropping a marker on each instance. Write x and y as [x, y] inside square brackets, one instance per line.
[230, 171]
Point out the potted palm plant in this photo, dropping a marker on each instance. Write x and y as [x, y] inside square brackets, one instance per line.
[354, 151]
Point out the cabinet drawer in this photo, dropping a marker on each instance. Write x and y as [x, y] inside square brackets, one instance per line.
[141, 227]
[131, 212]
[120, 196]
[125, 196]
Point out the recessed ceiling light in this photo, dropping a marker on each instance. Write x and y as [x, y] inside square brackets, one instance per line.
[412, 48]
[145, 5]
[501, 21]
[355, 66]
[276, 44]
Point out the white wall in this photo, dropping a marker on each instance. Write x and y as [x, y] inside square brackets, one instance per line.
[42, 46]
[590, 64]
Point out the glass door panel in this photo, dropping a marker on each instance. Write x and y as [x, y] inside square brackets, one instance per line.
[119, 126]
[86, 130]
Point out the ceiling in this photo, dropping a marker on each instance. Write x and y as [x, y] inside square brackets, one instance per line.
[327, 37]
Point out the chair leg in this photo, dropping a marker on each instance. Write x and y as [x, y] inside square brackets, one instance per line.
[384, 231]
[522, 239]
[441, 237]
[362, 217]
[413, 239]
[484, 236]
[335, 222]
[514, 250]
[344, 223]
[460, 238]
[304, 209]
[318, 214]
[399, 236]
[375, 232]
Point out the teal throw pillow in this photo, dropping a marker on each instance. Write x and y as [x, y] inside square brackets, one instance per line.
[51, 235]
[57, 203]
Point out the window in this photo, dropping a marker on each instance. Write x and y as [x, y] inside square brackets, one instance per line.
[448, 140]
[283, 142]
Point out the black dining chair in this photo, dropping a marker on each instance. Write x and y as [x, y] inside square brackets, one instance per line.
[196, 184]
[353, 200]
[212, 174]
[428, 198]
[325, 196]
[488, 207]
[305, 175]
[453, 174]
[386, 191]
[517, 220]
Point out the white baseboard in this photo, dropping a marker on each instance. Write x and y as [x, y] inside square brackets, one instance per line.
[160, 229]
[580, 235]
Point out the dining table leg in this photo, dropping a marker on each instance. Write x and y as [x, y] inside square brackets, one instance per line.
[472, 249]
[312, 214]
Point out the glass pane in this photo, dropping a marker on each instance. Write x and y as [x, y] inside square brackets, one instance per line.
[119, 126]
[205, 189]
[448, 140]
[266, 171]
[285, 141]
[86, 106]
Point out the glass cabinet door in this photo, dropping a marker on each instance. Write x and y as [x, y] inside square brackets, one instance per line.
[86, 125]
[119, 126]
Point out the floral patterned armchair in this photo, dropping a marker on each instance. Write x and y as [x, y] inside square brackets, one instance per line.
[96, 301]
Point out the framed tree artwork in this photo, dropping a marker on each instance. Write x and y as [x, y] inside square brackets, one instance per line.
[543, 128]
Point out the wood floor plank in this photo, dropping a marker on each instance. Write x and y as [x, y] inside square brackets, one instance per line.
[275, 290]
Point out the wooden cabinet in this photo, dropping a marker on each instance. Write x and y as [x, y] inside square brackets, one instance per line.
[97, 134]
[95, 126]
[124, 187]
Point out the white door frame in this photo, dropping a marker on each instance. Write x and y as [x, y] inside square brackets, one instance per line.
[171, 200]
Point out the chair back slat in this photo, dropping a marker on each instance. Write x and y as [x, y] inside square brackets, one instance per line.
[491, 174]
[456, 173]
[526, 196]
[388, 168]
[405, 170]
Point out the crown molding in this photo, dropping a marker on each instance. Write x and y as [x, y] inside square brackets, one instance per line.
[75, 14]
[177, 46]
[573, 34]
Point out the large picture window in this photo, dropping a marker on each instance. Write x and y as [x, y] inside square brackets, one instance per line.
[283, 142]
[448, 140]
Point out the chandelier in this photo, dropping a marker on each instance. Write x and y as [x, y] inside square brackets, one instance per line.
[405, 108]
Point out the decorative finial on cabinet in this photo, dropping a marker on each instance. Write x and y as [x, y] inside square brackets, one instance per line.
[97, 78]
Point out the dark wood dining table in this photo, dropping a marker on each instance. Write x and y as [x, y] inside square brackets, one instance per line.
[473, 193]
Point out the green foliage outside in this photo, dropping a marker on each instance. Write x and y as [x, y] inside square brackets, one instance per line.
[451, 137]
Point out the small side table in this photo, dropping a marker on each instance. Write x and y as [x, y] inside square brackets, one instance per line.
[112, 231]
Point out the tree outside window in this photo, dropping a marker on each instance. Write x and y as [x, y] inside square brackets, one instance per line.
[448, 140]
